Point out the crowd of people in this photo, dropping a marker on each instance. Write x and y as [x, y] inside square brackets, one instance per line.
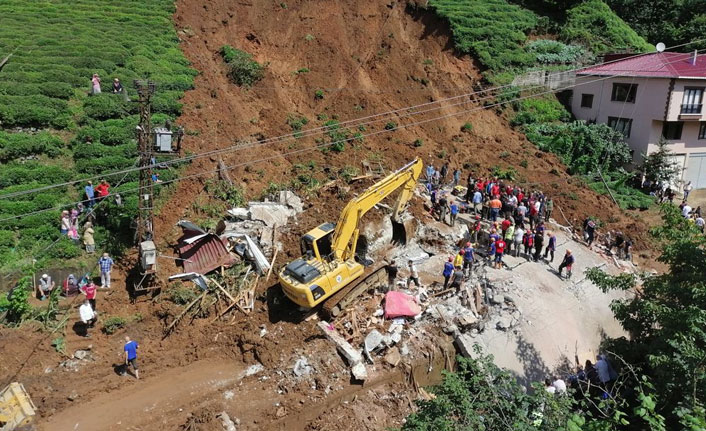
[595, 380]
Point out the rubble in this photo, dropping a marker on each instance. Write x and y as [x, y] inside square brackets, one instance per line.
[393, 357]
[352, 356]
[373, 340]
[399, 304]
[302, 367]
[464, 344]
[359, 371]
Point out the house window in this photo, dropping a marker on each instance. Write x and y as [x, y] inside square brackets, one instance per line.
[702, 130]
[624, 93]
[622, 125]
[672, 129]
[693, 97]
[586, 100]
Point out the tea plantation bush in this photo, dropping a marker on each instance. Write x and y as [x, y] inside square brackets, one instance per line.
[242, 69]
[60, 44]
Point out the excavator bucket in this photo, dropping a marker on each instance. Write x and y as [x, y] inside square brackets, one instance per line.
[402, 231]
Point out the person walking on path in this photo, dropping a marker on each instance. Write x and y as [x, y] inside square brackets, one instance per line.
[468, 258]
[538, 244]
[499, 251]
[392, 271]
[95, 84]
[87, 316]
[687, 190]
[589, 231]
[567, 263]
[90, 195]
[106, 264]
[448, 271]
[413, 275]
[549, 207]
[444, 172]
[551, 246]
[88, 240]
[90, 291]
[457, 278]
[453, 213]
[130, 349]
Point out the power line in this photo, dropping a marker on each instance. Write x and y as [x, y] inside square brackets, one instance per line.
[333, 143]
[322, 129]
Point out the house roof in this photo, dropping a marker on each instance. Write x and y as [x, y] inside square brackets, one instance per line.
[205, 254]
[655, 65]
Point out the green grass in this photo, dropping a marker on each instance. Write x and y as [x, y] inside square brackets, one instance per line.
[57, 47]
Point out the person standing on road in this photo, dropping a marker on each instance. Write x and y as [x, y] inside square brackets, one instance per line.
[495, 204]
[475, 229]
[130, 349]
[538, 243]
[90, 291]
[456, 177]
[508, 237]
[106, 264]
[567, 263]
[87, 316]
[551, 246]
[448, 271]
[477, 203]
[391, 269]
[413, 275]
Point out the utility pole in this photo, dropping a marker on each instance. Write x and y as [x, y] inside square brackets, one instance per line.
[145, 217]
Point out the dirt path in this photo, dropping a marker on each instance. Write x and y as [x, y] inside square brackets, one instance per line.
[133, 406]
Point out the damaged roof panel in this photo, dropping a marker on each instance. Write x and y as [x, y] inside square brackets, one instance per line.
[205, 255]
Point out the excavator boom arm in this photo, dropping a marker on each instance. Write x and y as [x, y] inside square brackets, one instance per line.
[347, 226]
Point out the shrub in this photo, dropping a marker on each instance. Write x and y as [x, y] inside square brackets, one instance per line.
[418, 143]
[554, 52]
[182, 295]
[595, 25]
[540, 110]
[105, 106]
[242, 69]
[390, 125]
[337, 135]
[467, 127]
[319, 94]
[16, 145]
[508, 173]
[296, 122]
[113, 324]
[16, 303]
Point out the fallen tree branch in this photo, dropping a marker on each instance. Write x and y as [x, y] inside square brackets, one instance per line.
[183, 313]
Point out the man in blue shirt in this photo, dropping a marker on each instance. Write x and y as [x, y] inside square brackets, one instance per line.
[90, 194]
[106, 264]
[453, 211]
[430, 173]
[477, 203]
[131, 356]
[448, 270]
[468, 259]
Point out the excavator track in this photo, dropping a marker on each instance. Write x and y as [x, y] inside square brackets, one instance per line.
[333, 306]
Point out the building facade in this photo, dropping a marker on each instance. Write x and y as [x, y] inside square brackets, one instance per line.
[647, 98]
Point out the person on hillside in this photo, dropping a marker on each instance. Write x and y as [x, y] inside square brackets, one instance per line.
[499, 251]
[528, 242]
[699, 222]
[106, 264]
[589, 231]
[413, 275]
[468, 258]
[458, 259]
[444, 172]
[477, 202]
[517, 240]
[65, 223]
[456, 177]
[538, 245]
[453, 213]
[509, 238]
[88, 240]
[457, 278]
[87, 316]
[491, 251]
[95, 84]
[551, 246]
[89, 290]
[443, 207]
[560, 385]
[130, 349]
[687, 190]
[117, 86]
[436, 177]
[548, 209]
[102, 189]
[495, 204]
[45, 286]
[686, 210]
[549, 387]
[70, 286]
[475, 229]
[90, 195]
[568, 263]
[392, 270]
[430, 173]
[448, 271]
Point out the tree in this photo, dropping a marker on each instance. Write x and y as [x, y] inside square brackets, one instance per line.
[658, 166]
[666, 317]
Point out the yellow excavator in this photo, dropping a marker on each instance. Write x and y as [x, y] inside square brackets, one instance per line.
[328, 268]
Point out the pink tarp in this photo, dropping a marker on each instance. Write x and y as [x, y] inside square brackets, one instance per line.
[398, 304]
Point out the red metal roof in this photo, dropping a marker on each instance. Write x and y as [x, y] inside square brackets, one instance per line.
[655, 65]
[205, 255]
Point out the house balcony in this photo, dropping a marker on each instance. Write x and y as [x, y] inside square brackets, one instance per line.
[691, 112]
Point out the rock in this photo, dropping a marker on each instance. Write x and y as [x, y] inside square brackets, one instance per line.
[352, 355]
[272, 214]
[379, 312]
[466, 319]
[373, 340]
[450, 329]
[510, 299]
[393, 357]
[464, 344]
[504, 323]
[239, 213]
[263, 331]
[396, 337]
[290, 199]
[497, 299]
[359, 371]
[252, 370]
[227, 423]
[228, 395]
[80, 354]
[71, 364]
[395, 328]
[281, 412]
[73, 395]
[404, 349]
[302, 367]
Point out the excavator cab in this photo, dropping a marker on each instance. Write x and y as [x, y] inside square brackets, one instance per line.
[317, 243]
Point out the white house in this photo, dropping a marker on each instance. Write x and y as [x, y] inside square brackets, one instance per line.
[648, 97]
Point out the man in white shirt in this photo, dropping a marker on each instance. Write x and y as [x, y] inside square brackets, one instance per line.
[560, 386]
[685, 211]
[549, 387]
[603, 369]
[700, 223]
[87, 316]
[413, 275]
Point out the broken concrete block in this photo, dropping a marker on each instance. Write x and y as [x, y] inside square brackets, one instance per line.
[396, 337]
[373, 340]
[239, 213]
[80, 354]
[393, 357]
[351, 354]
[464, 344]
[359, 371]
[290, 199]
[272, 214]
[302, 367]
[497, 299]
[466, 319]
[504, 323]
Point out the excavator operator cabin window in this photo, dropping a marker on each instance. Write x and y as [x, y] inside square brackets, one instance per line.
[324, 244]
[307, 245]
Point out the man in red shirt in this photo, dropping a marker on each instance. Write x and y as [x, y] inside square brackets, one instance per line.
[90, 291]
[102, 189]
[505, 225]
[499, 250]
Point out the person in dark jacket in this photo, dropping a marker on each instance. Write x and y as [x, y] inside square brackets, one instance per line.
[567, 263]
